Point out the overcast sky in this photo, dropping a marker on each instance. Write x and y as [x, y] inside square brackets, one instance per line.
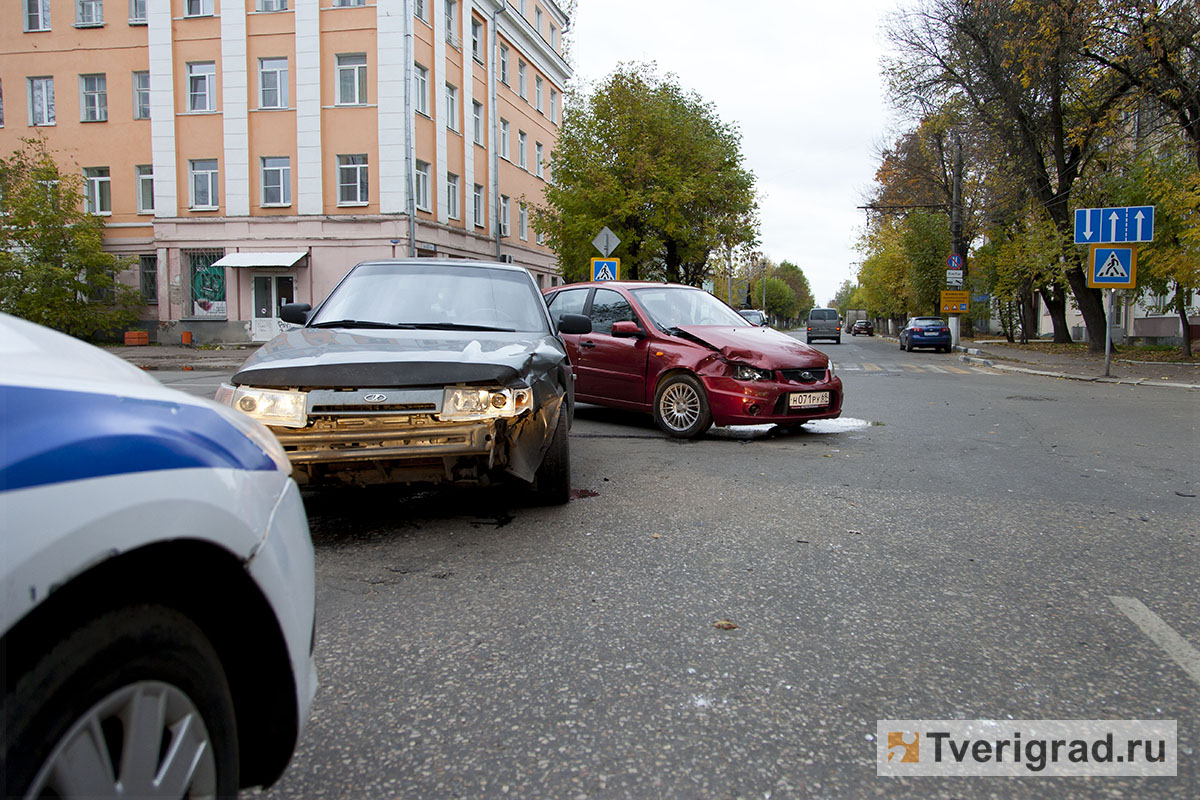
[801, 80]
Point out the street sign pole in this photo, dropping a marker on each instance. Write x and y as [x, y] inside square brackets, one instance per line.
[1108, 335]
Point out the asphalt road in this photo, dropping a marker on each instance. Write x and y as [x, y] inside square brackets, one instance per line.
[947, 550]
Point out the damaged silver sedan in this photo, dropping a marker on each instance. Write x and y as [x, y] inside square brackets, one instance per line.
[420, 371]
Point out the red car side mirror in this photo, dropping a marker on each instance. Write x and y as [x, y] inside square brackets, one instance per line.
[626, 329]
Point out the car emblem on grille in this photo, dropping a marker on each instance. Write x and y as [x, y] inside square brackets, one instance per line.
[806, 375]
[375, 398]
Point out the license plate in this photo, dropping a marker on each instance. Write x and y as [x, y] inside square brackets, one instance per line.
[808, 399]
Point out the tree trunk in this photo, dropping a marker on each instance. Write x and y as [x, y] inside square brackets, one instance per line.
[671, 261]
[1056, 306]
[1182, 295]
[1091, 305]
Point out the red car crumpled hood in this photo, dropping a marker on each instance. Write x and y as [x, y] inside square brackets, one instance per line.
[759, 347]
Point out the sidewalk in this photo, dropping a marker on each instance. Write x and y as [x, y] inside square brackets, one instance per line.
[219, 358]
[1125, 367]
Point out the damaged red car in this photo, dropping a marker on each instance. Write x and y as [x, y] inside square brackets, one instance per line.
[690, 360]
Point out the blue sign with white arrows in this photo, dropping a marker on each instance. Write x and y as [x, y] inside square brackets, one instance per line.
[1114, 225]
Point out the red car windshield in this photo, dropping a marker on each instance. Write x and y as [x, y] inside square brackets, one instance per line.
[673, 306]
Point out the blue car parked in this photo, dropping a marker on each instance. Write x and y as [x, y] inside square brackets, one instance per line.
[925, 332]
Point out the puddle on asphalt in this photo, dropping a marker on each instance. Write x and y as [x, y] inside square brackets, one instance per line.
[821, 426]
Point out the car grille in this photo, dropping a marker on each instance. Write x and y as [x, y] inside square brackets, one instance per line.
[355, 403]
[803, 375]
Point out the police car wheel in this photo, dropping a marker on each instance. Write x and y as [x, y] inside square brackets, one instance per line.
[136, 698]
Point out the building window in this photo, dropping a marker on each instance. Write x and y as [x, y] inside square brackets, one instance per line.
[89, 12]
[477, 40]
[202, 86]
[451, 107]
[1, 104]
[97, 191]
[553, 36]
[421, 89]
[198, 8]
[478, 205]
[452, 195]
[41, 101]
[272, 83]
[523, 221]
[521, 7]
[137, 16]
[451, 21]
[348, 3]
[419, 10]
[504, 139]
[537, 19]
[537, 158]
[504, 215]
[521, 78]
[352, 79]
[203, 174]
[521, 161]
[145, 188]
[148, 278]
[141, 95]
[554, 106]
[206, 283]
[504, 64]
[477, 118]
[352, 180]
[277, 181]
[272, 5]
[93, 98]
[421, 181]
[537, 93]
[37, 15]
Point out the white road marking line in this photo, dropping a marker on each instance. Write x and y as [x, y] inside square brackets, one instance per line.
[932, 368]
[1162, 634]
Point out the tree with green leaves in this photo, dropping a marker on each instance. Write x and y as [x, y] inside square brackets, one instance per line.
[797, 281]
[655, 164]
[780, 300]
[53, 270]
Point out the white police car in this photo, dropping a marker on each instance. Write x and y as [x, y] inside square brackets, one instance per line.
[157, 580]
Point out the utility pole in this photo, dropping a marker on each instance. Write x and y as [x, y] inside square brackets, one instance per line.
[957, 245]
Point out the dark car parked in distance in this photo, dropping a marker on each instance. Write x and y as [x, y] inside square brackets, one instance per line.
[863, 326]
[925, 332]
[690, 360]
[420, 371]
[755, 317]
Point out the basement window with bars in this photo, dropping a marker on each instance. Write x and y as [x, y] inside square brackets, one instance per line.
[205, 284]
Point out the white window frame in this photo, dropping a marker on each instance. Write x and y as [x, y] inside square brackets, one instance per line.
[89, 13]
[421, 89]
[478, 208]
[37, 12]
[451, 21]
[554, 106]
[477, 121]
[198, 8]
[270, 6]
[538, 156]
[353, 171]
[452, 107]
[97, 191]
[537, 19]
[452, 196]
[521, 72]
[137, 12]
[41, 114]
[537, 93]
[504, 215]
[522, 142]
[141, 86]
[523, 222]
[348, 3]
[348, 64]
[477, 41]
[504, 151]
[421, 188]
[270, 66]
[204, 173]
[145, 188]
[504, 64]
[277, 171]
[93, 97]
[553, 37]
[419, 10]
[202, 85]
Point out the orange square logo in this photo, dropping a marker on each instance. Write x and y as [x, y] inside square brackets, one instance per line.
[904, 746]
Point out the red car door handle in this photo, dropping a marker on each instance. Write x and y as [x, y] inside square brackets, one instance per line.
[587, 344]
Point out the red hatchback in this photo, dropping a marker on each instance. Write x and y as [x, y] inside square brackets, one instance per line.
[690, 360]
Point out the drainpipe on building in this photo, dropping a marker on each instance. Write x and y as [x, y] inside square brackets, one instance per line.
[410, 138]
[493, 102]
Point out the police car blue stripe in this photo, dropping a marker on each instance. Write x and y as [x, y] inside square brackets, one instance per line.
[50, 436]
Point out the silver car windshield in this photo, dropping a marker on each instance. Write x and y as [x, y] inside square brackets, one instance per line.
[436, 296]
[672, 306]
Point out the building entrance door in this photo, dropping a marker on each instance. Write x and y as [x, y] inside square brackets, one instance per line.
[270, 293]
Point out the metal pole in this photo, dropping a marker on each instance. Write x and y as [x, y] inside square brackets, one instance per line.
[1108, 335]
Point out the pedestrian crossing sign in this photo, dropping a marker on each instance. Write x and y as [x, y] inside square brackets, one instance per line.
[606, 269]
[1113, 267]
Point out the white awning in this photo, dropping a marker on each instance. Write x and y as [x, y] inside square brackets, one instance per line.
[259, 259]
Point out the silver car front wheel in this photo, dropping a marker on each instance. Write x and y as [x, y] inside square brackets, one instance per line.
[681, 407]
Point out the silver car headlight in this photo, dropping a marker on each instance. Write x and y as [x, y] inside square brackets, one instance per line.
[745, 372]
[472, 402]
[830, 371]
[268, 406]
